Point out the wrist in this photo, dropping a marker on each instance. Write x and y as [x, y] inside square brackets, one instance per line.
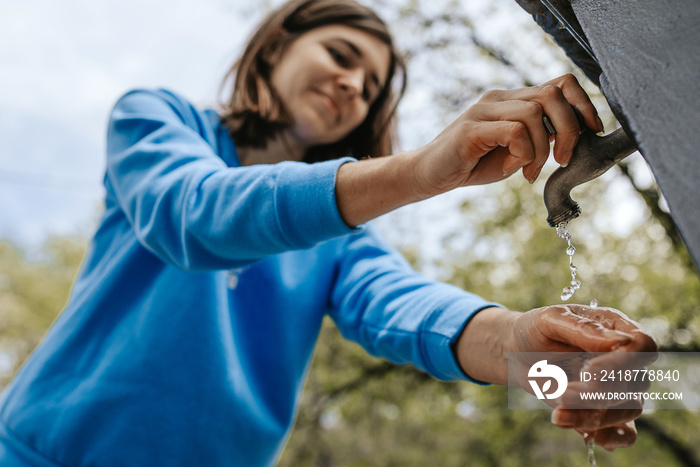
[482, 348]
[418, 163]
[371, 187]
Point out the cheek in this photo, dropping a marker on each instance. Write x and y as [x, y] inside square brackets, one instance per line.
[279, 85]
[285, 79]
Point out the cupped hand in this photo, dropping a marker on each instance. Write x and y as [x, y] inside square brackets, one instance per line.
[578, 328]
[504, 132]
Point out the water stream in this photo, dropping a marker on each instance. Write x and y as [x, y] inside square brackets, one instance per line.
[575, 284]
[590, 443]
[590, 451]
[566, 294]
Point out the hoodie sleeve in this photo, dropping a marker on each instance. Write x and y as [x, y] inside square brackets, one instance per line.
[189, 208]
[379, 301]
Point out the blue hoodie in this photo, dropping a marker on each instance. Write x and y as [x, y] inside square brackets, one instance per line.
[190, 328]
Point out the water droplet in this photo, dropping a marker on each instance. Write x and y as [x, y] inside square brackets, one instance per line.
[567, 293]
[576, 284]
[571, 250]
[562, 231]
[594, 303]
[573, 267]
[620, 431]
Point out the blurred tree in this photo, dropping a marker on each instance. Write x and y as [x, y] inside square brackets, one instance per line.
[357, 410]
[32, 293]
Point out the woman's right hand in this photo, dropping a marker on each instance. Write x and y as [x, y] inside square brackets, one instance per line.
[494, 138]
[502, 133]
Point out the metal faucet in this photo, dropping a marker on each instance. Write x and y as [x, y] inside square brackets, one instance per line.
[592, 157]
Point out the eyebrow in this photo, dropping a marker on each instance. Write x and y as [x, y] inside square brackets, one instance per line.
[358, 52]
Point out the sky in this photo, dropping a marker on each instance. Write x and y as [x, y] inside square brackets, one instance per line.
[66, 63]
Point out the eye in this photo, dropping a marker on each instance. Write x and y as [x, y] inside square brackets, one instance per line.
[339, 57]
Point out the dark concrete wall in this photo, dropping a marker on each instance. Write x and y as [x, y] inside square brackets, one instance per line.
[649, 51]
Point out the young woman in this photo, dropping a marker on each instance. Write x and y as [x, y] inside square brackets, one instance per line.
[226, 239]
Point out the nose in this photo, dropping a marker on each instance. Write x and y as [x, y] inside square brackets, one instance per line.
[351, 82]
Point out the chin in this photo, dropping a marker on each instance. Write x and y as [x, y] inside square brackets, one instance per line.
[302, 132]
[314, 134]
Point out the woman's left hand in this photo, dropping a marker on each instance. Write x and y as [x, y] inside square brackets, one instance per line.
[623, 344]
[499, 338]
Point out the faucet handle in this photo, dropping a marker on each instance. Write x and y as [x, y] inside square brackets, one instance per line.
[553, 131]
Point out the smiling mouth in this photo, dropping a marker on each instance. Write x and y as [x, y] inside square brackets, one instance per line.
[330, 105]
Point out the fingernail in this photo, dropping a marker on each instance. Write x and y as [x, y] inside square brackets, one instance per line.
[534, 177]
[600, 123]
[537, 174]
[567, 158]
[508, 174]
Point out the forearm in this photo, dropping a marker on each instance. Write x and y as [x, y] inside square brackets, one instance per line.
[482, 348]
[368, 188]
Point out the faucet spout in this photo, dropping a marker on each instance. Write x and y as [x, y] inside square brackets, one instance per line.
[592, 157]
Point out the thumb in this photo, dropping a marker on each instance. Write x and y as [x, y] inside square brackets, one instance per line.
[561, 324]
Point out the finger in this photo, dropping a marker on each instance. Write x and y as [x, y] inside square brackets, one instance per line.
[620, 436]
[561, 115]
[564, 120]
[622, 370]
[561, 324]
[577, 97]
[641, 341]
[636, 385]
[530, 113]
[583, 395]
[590, 420]
[486, 136]
[572, 91]
[489, 169]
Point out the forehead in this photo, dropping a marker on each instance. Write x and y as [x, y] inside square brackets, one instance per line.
[374, 51]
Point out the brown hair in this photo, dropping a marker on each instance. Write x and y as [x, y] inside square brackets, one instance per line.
[254, 113]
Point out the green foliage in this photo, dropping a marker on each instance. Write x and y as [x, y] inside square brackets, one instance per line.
[360, 411]
[32, 293]
[357, 410]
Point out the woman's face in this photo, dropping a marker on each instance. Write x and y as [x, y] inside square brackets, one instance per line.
[327, 80]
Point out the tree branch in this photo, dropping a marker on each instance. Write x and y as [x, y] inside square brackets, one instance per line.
[652, 197]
